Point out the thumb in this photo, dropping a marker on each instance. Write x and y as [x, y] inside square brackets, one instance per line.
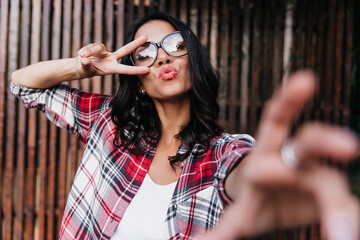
[86, 63]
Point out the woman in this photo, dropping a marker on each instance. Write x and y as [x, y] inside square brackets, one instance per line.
[157, 165]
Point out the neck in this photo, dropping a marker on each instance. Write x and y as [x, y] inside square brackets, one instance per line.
[173, 116]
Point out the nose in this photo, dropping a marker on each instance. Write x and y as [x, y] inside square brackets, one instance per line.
[162, 58]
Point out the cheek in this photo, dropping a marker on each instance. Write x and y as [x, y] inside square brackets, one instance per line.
[186, 76]
[144, 79]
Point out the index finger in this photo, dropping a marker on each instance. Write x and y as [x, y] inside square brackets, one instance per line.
[130, 47]
[281, 110]
[130, 70]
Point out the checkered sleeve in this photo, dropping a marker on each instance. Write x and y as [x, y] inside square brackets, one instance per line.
[70, 109]
[233, 153]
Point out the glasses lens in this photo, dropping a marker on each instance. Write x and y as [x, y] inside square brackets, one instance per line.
[174, 44]
[144, 55]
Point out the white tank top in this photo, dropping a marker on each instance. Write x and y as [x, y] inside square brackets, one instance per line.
[145, 216]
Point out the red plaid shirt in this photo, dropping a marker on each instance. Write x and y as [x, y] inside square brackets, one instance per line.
[108, 177]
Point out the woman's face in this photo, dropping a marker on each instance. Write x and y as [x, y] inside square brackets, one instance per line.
[169, 77]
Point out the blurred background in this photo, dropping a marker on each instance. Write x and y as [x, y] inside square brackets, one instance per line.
[253, 44]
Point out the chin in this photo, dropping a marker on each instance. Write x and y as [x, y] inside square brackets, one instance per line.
[179, 96]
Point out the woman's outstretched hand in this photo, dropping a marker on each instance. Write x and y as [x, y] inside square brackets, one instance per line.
[269, 194]
[96, 60]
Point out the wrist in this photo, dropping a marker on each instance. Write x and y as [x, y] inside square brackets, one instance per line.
[79, 72]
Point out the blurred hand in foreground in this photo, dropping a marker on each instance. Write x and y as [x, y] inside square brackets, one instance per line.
[269, 194]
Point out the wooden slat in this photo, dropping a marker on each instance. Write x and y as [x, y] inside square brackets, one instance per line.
[87, 38]
[35, 31]
[46, 30]
[309, 51]
[255, 69]
[213, 34]
[173, 8]
[224, 78]
[162, 6]
[183, 11]
[43, 130]
[203, 35]
[98, 23]
[329, 74]
[30, 176]
[21, 126]
[339, 58]
[348, 59]
[42, 172]
[120, 23]
[56, 33]
[288, 36]
[54, 153]
[245, 65]
[109, 33]
[76, 34]
[234, 68]
[10, 125]
[278, 43]
[20, 175]
[194, 12]
[32, 138]
[66, 29]
[98, 26]
[267, 59]
[319, 62]
[4, 14]
[25, 32]
[299, 45]
[130, 11]
[141, 8]
[152, 6]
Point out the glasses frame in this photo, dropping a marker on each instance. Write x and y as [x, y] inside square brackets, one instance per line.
[157, 46]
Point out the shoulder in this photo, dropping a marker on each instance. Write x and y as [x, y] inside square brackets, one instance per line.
[225, 140]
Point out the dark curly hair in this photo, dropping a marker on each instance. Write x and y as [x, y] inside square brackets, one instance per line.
[135, 115]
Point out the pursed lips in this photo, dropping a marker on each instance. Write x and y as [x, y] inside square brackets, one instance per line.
[168, 72]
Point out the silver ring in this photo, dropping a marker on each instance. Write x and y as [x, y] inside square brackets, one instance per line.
[288, 156]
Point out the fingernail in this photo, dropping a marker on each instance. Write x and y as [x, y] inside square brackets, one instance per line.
[341, 228]
[82, 52]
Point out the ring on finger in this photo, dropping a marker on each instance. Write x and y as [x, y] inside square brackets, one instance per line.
[288, 155]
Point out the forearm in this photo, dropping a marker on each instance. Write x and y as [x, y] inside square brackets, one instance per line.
[47, 74]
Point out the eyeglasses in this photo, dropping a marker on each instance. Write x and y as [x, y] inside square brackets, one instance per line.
[173, 44]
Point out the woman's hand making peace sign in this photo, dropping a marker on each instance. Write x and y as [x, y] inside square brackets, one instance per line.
[96, 60]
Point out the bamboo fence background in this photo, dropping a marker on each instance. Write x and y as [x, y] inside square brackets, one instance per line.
[254, 45]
